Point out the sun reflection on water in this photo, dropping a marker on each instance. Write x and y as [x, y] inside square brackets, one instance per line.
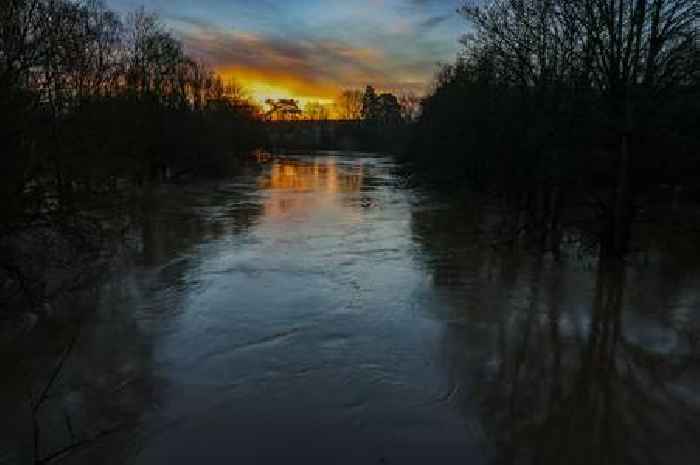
[330, 186]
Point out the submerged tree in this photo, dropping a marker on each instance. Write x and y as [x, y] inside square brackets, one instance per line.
[563, 99]
[89, 105]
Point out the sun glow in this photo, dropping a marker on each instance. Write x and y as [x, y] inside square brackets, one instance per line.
[261, 91]
[261, 87]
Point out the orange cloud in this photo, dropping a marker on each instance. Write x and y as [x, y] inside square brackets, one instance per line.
[307, 69]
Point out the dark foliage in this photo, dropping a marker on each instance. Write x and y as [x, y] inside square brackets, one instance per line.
[578, 116]
[92, 106]
[385, 121]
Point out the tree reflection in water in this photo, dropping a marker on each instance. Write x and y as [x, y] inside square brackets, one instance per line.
[547, 362]
[99, 406]
[556, 363]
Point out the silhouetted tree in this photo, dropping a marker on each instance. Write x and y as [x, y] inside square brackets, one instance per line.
[558, 108]
[410, 106]
[349, 104]
[382, 120]
[370, 104]
[283, 109]
[316, 111]
[89, 106]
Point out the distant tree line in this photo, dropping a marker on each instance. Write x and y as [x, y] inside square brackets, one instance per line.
[383, 118]
[351, 105]
[571, 112]
[358, 120]
[91, 103]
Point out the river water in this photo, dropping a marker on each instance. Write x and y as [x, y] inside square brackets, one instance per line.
[313, 309]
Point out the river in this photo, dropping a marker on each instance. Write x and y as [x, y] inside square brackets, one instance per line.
[314, 309]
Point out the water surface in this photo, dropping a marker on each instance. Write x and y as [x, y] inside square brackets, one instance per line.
[315, 309]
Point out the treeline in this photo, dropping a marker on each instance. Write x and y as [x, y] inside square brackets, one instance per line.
[92, 104]
[578, 115]
[386, 119]
[357, 120]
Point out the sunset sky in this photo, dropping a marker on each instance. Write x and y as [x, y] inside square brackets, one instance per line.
[311, 49]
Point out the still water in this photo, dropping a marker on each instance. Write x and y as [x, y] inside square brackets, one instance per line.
[313, 309]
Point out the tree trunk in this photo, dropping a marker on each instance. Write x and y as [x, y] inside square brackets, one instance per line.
[621, 220]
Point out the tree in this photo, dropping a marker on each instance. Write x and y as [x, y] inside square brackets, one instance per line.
[632, 56]
[283, 109]
[410, 106]
[370, 105]
[236, 92]
[389, 110]
[316, 111]
[641, 51]
[348, 105]
[557, 104]
[88, 105]
[380, 110]
[382, 122]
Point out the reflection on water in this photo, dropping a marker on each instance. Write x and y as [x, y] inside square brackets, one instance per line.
[323, 179]
[309, 308]
[319, 176]
[564, 364]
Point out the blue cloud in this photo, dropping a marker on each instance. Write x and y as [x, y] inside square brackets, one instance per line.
[334, 41]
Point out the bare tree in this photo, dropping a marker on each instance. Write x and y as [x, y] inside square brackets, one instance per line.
[348, 105]
[410, 105]
[89, 102]
[629, 56]
[316, 111]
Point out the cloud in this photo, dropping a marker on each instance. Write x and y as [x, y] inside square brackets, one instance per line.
[306, 66]
[432, 5]
[316, 47]
[434, 21]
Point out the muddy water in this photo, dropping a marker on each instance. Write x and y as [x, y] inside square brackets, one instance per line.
[315, 310]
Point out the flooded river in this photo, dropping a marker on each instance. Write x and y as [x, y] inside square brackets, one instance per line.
[313, 309]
